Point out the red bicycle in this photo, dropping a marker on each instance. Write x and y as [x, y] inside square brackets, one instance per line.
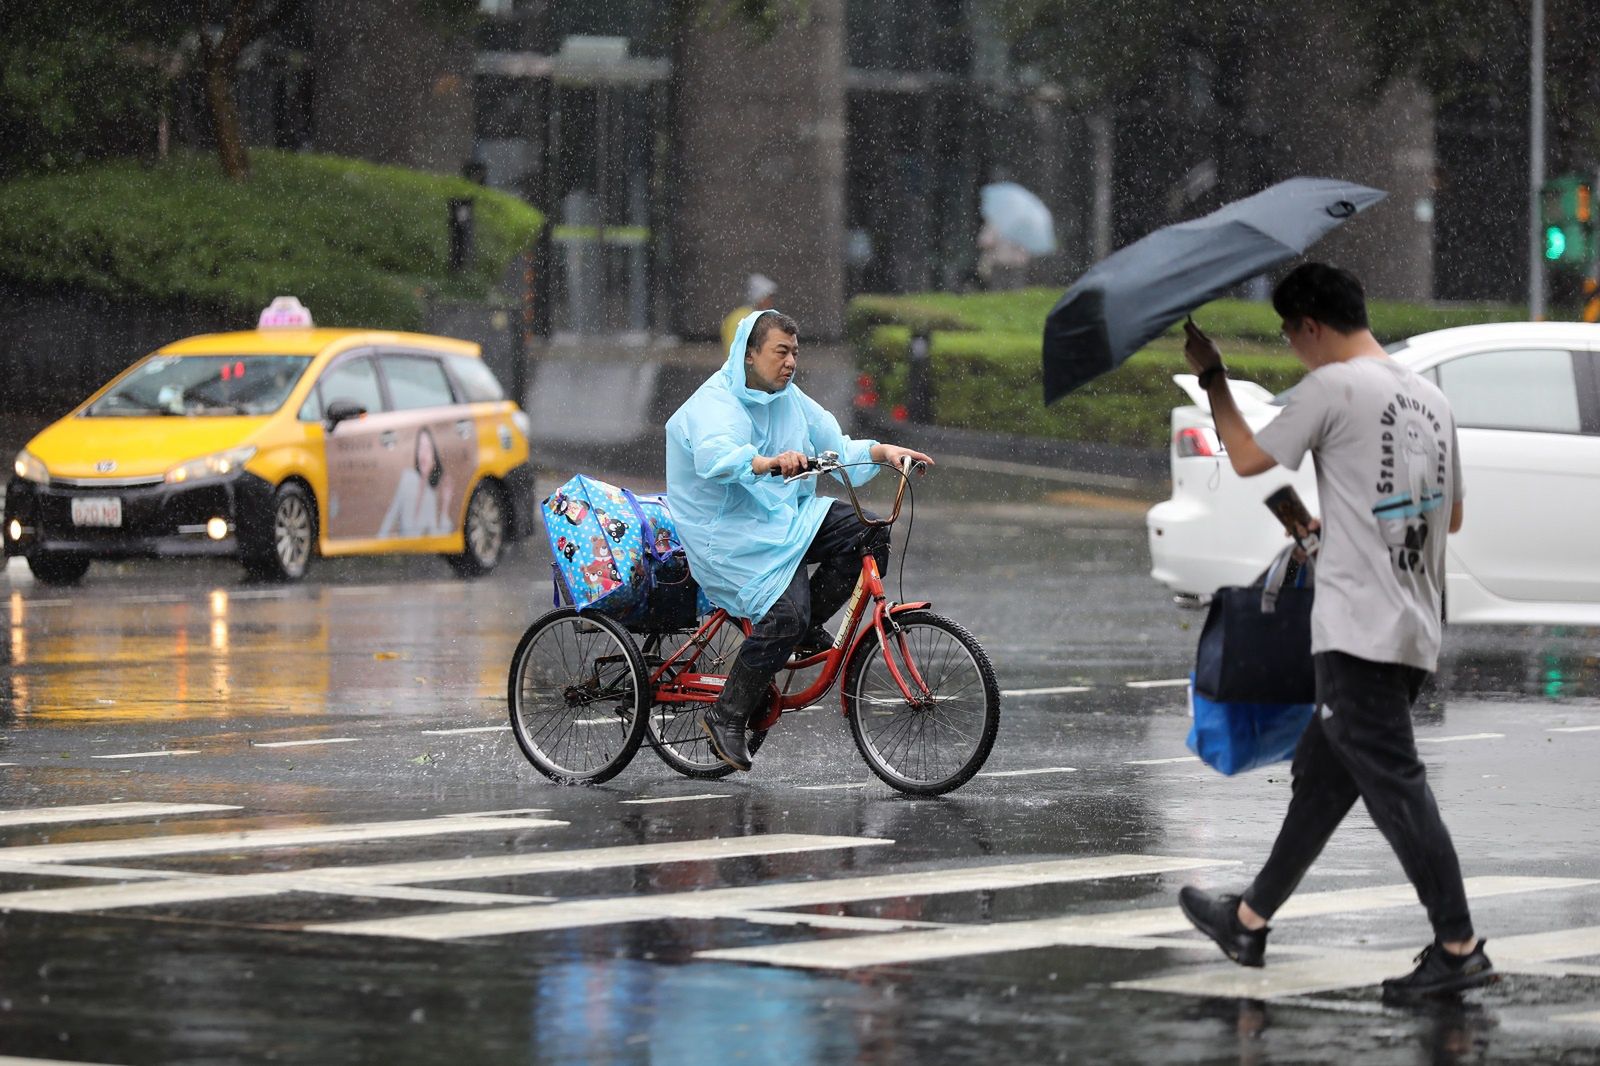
[919, 691]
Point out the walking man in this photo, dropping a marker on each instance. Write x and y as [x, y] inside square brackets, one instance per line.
[1389, 478]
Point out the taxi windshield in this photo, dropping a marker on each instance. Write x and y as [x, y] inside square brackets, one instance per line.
[203, 385]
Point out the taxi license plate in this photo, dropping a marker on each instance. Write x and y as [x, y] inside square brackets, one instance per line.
[104, 511]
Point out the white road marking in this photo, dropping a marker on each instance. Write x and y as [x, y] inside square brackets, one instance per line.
[7, 764]
[1463, 736]
[722, 902]
[1059, 690]
[1162, 762]
[305, 743]
[1587, 1018]
[1169, 683]
[299, 836]
[1338, 969]
[1574, 729]
[1030, 773]
[12, 1060]
[831, 921]
[682, 799]
[351, 880]
[148, 754]
[835, 788]
[101, 812]
[1137, 928]
[474, 729]
[496, 814]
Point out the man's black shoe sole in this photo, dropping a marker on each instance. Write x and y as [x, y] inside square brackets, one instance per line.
[1407, 997]
[1231, 951]
[716, 749]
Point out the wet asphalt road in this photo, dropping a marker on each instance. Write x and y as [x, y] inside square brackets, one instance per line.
[1026, 917]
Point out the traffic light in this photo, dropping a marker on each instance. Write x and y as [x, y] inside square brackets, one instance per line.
[1567, 220]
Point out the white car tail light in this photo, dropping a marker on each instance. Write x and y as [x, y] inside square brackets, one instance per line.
[1196, 441]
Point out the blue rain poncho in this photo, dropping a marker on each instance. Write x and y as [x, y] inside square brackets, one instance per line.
[746, 534]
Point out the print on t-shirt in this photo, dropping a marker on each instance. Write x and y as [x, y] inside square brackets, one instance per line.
[1413, 470]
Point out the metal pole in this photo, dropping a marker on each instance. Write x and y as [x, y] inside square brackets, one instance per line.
[1536, 164]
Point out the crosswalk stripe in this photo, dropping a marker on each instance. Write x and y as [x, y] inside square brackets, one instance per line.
[12, 1060]
[351, 880]
[681, 799]
[300, 836]
[1168, 683]
[1162, 762]
[1031, 773]
[1132, 926]
[836, 788]
[1559, 729]
[1337, 969]
[1057, 690]
[304, 743]
[101, 812]
[1463, 736]
[721, 902]
[1587, 1018]
[148, 754]
[473, 729]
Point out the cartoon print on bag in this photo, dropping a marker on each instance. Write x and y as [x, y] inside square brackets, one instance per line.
[663, 541]
[614, 527]
[574, 511]
[567, 548]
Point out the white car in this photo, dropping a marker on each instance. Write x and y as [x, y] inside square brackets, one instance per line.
[1526, 397]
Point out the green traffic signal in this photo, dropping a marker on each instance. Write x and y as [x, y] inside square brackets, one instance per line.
[1555, 243]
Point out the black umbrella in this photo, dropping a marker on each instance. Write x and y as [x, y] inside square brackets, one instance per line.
[1131, 297]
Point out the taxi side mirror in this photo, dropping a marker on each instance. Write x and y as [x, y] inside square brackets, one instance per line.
[342, 411]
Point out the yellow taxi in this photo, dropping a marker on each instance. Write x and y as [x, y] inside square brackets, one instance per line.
[275, 445]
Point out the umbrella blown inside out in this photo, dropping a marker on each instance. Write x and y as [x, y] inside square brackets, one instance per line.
[1133, 296]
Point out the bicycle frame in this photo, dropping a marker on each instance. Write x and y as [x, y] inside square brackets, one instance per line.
[677, 681]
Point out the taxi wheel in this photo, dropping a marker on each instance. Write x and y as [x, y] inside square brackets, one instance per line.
[287, 555]
[484, 533]
[58, 569]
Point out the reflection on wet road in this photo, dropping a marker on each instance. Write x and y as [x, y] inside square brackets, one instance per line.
[248, 823]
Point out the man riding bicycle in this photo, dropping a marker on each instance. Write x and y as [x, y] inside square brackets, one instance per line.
[749, 535]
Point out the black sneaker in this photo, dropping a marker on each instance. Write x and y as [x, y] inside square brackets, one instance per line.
[816, 641]
[1440, 973]
[1218, 918]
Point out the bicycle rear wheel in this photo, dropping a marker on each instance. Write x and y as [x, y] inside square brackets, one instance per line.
[929, 747]
[674, 728]
[578, 693]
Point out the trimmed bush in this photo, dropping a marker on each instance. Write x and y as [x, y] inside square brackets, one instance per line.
[986, 347]
[359, 244]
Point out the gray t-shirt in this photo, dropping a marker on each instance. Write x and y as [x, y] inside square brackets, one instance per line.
[1388, 474]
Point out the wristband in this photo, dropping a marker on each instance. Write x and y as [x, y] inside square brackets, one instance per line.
[1209, 374]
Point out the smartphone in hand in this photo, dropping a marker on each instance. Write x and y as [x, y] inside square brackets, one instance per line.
[1291, 511]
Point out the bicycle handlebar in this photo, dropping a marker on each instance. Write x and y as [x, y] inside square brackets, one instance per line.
[828, 462]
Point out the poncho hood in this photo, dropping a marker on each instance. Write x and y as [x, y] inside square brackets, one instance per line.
[733, 371]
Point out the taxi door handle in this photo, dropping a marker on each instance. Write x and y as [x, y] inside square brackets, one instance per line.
[464, 429]
[389, 438]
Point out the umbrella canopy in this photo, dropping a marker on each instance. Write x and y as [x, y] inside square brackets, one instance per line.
[1016, 215]
[1130, 298]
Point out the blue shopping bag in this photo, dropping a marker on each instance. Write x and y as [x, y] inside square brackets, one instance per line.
[1232, 737]
[619, 554]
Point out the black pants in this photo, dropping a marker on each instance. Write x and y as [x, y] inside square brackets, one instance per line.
[837, 550]
[1360, 743]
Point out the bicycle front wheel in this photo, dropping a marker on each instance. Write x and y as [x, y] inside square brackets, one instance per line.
[578, 694]
[932, 745]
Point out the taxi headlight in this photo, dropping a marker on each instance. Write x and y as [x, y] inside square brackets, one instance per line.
[29, 467]
[218, 465]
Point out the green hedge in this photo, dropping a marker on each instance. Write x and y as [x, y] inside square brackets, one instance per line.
[985, 353]
[359, 244]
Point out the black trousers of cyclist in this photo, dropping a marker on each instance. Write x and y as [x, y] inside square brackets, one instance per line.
[1360, 744]
[836, 549]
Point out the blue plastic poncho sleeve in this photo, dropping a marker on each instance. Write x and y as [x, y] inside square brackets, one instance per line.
[721, 453]
[826, 436]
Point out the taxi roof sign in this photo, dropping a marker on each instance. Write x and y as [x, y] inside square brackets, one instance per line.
[285, 312]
